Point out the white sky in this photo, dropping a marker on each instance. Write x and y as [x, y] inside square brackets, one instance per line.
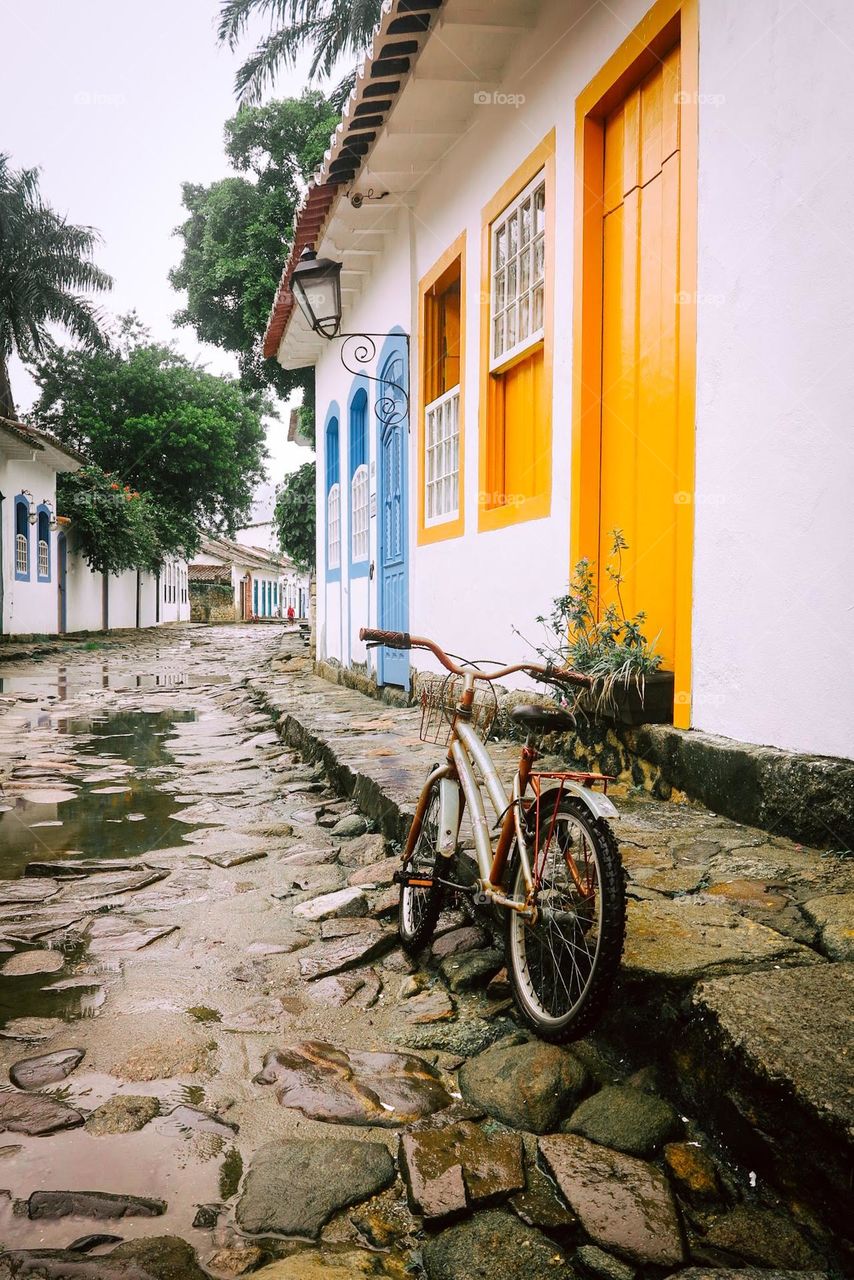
[119, 103]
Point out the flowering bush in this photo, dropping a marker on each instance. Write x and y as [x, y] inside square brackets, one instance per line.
[116, 527]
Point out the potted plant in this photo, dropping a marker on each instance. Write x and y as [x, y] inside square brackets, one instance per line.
[630, 687]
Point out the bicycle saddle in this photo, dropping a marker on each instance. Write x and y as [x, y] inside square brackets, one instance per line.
[550, 721]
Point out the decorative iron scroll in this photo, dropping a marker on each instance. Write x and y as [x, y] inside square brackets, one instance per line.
[392, 405]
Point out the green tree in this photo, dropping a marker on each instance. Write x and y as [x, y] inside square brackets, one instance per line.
[116, 527]
[193, 441]
[45, 269]
[331, 29]
[294, 515]
[238, 233]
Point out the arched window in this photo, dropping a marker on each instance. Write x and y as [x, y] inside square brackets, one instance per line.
[359, 494]
[333, 498]
[43, 559]
[22, 537]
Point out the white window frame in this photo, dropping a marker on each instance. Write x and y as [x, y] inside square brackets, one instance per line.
[442, 458]
[360, 520]
[44, 560]
[22, 553]
[333, 527]
[502, 273]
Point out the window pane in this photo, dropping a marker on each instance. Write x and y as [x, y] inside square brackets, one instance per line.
[537, 319]
[498, 335]
[539, 259]
[525, 271]
[500, 247]
[512, 240]
[525, 222]
[525, 316]
[540, 210]
[512, 332]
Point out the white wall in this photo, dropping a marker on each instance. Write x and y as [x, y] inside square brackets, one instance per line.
[29, 607]
[773, 624]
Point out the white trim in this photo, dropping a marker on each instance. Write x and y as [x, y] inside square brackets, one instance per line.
[359, 514]
[333, 527]
[521, 274]
[22, 553]
[442, 458]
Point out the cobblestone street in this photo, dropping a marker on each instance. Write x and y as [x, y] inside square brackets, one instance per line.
[217, 1061]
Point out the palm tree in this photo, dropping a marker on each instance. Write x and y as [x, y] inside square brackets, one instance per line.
[45, 268]
[330, 28]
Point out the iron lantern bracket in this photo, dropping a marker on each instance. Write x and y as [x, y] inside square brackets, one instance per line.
[361, 350]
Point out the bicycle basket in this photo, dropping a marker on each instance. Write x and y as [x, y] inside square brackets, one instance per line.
[440, 697]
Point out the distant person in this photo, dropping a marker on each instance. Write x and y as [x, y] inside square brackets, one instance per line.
[291, 614]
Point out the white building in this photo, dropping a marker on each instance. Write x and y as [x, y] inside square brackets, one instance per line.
[617, 237]
[262, 583]
[47, 586]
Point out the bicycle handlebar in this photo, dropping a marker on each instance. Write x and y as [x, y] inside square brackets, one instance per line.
[403, 640]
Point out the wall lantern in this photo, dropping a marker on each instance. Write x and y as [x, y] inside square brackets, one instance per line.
[316, 286]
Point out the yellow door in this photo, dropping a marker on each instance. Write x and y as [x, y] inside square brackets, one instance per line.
[640, 438]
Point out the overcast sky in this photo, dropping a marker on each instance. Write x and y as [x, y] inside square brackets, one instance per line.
[118, 104]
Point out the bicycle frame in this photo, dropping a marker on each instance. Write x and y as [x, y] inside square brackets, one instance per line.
[457, 776]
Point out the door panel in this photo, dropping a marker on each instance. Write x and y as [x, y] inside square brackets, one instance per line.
[640, 349]
[394, 613]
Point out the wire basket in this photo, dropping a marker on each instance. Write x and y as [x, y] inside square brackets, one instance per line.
[440, 698]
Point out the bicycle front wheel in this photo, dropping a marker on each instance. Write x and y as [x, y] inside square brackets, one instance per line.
[562, 966]
[421, 905]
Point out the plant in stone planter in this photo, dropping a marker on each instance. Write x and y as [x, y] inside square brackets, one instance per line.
[613, 647]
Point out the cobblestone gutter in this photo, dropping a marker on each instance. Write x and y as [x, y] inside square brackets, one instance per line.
[805, 797]
[735, 970]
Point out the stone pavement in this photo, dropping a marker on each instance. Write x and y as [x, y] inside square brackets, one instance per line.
[736, 946]
[219, 1062]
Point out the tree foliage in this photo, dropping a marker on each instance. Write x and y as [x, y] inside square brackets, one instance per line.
[331, 29]
[294, 516]
[238, 233]
[141, 411]
[46, 268]
[116, 527]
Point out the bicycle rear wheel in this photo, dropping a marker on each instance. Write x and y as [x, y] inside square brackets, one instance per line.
[420, 905]
[561, 968]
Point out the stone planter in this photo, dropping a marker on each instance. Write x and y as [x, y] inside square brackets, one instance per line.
[628, 706]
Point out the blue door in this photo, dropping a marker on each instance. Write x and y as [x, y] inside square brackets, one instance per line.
[393, 603]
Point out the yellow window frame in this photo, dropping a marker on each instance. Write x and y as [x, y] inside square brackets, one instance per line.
[428, 534]
[536, 506]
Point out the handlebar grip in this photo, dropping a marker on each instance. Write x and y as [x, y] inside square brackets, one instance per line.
[392, 639]
[573, 677]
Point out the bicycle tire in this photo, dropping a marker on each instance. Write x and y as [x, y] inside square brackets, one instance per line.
[419, 909]
[527, 974]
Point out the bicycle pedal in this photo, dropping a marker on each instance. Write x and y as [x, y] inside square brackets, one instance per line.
[413, 882]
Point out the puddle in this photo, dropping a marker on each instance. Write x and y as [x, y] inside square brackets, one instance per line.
[118, 813]
[56, 682]
[99, 800]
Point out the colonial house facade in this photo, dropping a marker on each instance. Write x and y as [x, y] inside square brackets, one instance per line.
[46, 586]
[598, 256]
[231, 582]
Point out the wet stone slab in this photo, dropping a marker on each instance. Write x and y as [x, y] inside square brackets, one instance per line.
[45, 1068]
[354, 1087]
[35, 1114]
[293, 1186]
[623, 1203]
[92, 1204]
[451, 1167]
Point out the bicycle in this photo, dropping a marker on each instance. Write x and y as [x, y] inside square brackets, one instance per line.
[555, 870]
